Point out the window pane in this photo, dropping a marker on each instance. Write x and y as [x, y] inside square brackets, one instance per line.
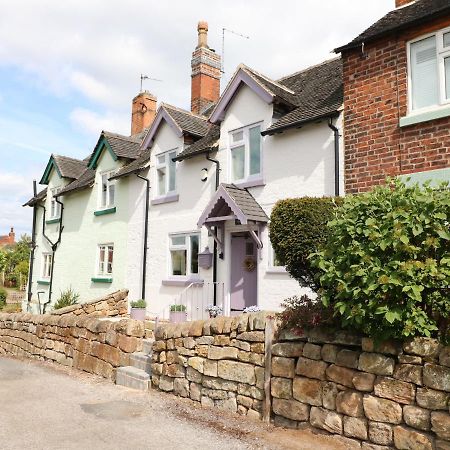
[194, 253]
[255, 150]
[101, 260]
[162, 159]
[238, 136]
[238, 159]
[447, 77]
[162, 181]
[447, 39]
[172, 172]
[249, 249]
[178, 262]
[178, 240]
[424, 79]
[110, 258]
[112, 193]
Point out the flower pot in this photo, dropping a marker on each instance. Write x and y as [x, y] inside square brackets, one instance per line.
[177, 316]
[137, 313]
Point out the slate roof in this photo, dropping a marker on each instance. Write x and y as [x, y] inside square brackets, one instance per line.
[123, 146]
[69, 167]
[40, 196]
[401, 18]
[246, 203]
[203, 145]
[187, 121]
[85, 180]
[319, 93]
[134, 166]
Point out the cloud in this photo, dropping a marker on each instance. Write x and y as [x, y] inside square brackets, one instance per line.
[91, 122]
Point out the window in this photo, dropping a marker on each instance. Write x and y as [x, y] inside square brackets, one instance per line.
[274, 262]
[166, 173]
[184, 254]
[429, 65]
[105, 259]
[245, 146]
[55, 207]
[47, 265]
[107, 190]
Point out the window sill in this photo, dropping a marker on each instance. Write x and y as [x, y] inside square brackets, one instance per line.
[183, 282]
[250, 183]
[426, 116]
[102, 212]
[43, 282]
[50, 221]
[101, 280]
[277, 270]
[170, 198]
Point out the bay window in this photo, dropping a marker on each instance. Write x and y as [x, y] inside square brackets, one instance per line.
[166, 173]
[183, 249]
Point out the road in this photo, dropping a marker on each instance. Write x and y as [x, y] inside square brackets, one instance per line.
[45, 406]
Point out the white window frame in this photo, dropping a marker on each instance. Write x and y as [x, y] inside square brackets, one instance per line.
[55, 207]
[109, 183]
[271, 267]
[442, 54]
[186, 246]
[104, 273]
[165, 165]
[246, 143]
[47, 262]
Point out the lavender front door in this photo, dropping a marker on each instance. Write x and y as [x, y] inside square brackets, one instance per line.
[243, 279]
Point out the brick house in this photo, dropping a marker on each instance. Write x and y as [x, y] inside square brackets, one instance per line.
[8, 239]
[397, 96]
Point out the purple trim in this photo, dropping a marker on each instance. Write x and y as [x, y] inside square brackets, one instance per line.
[240, 77]
[182, 283]
[162, 114]
[251, 183]
[165, 199]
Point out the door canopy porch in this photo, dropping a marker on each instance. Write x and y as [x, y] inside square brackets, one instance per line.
[233, 203]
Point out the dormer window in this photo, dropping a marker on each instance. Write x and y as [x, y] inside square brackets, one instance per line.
[166, 173]
[245, 148]
[107, 190]
[55, 207]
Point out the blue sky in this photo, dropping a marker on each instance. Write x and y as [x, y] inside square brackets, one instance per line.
[70, 69]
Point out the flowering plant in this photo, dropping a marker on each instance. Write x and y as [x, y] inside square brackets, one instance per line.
[251, 309]
[214, 310]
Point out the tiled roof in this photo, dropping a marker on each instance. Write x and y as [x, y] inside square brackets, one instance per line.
[401, 18]
[187, 121]
[203, 145]
[123, 146]
[40, 196]
[134, 166]
[69, 167]
[85, 180]
[246, 203]
[319, 93]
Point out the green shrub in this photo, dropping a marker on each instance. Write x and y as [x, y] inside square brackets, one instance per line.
[177, 308]
[3, 295]
[67, 298]
[139, 304]
[386, 266]
[297, 229]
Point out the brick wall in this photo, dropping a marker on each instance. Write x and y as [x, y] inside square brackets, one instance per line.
[375, 98]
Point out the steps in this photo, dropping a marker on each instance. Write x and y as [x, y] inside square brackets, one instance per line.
[137, 375]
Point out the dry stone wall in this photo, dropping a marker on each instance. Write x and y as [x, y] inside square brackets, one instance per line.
[85, 343]
[218, 362]
[111, 305]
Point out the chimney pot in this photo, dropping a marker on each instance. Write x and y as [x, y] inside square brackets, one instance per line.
[400, 3]
[143, 112]
[202, 29]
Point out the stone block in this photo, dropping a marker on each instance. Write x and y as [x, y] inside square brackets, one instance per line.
[355, 427]
[440, 424]
[195, 392]
[210, 368]
[228, 404]
[181, 387]
[288, 349]
[422, 346]
[166, 383]
[364, 381]
[128, 344]
[197, 363]
[349, 403]
[251, 336]
[312, 351]
[189, 342]
[257, 347]
[171, 357]
[381, 433]
[159, 346]
[236, 371]
[193, 375]
[221, 340]
[329, 353]
[326, 420]
[340, 375]
[260, 377]
[215, 394]
[217, 353]
[442, 445]
[416, 417]
[410, 373]
[311, 368]
[244, 401]
[437, 377]
[250, 391]
[283, 367]
[283, 422]
[329, 394]
[241, 345]
[431, 399]
[444, 357]
[290, 409]
[399, 391]
[347, 358]
[196, 328]
[207, 402]
[217, 383]
[409, 359]
[205, 340]
[175, 371]
[281, 388]
[382, 410]
[409, 439]
[369, 446]
[376, 363]
[307, 391]
[253, 358]
[386, 347]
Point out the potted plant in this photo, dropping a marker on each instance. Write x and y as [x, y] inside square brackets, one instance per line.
[214, 311]
[177, 313]
[252, 309]
[138, 309]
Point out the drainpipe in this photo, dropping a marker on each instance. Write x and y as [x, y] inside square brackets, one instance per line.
[33, 247]
[217, 163]
[144, 260]
[336, 158]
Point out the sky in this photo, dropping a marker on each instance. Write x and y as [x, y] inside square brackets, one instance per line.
[69, 69]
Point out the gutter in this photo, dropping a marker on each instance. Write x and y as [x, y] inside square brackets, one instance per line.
[144, 259]
[336, 157]
[33, 248]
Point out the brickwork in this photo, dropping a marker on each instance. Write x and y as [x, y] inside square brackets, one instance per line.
[143, 112]
[375, 98]
[8, 239]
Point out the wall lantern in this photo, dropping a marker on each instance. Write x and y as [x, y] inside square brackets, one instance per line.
[205, 259]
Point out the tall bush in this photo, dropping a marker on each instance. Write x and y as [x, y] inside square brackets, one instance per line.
[297, 229]
[67, 298]
[386, 266]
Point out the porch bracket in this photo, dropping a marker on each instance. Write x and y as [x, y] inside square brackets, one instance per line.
[216, 238]
[255, 237]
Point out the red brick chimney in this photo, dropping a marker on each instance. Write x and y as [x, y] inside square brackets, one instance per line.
[206, 71]
[399, 3]
[12, 236]
[143, 112]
